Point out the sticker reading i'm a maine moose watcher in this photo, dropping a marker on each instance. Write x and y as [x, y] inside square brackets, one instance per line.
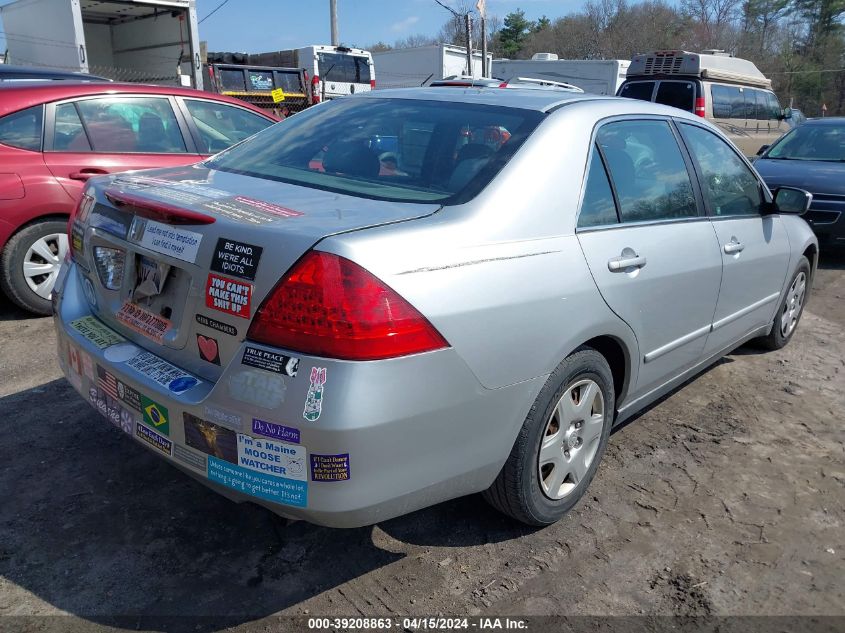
[228, 295]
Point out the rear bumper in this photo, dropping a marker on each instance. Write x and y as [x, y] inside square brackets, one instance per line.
[390, 437]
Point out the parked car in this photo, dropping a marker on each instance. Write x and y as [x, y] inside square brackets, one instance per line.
[812, 157]
[730, 92]
[18, 74]
[794, 117]
[296, 326]
[54, 136]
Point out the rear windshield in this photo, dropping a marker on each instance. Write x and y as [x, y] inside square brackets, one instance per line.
[641, 90]
[341, 67]
[386, 149]
[678, 94]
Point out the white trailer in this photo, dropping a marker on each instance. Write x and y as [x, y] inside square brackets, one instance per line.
[150, 41]
[408, 67]
[598, 76]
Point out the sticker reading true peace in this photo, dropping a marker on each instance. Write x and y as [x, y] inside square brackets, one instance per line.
[97, 332]
[228, 295]
[237, 259]
[170, 240]
[270, 361]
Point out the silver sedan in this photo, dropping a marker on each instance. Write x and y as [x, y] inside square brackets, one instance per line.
[402, 297]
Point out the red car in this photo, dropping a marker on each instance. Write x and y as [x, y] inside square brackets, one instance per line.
[55, 136]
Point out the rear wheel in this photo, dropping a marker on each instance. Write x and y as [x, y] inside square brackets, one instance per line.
[561, 442]
[790, 310]
[30, 264]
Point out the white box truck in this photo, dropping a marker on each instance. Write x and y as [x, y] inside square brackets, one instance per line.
[409, 67]
[598, 76]
[149, 41]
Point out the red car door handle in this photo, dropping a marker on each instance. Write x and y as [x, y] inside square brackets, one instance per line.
[86, 173]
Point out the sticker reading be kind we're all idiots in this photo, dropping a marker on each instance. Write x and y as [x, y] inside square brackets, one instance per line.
[229, 296]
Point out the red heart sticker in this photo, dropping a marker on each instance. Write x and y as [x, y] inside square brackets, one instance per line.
[208, 349]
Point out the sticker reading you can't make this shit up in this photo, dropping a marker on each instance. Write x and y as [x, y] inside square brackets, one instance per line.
[314, 399]
[228, 295]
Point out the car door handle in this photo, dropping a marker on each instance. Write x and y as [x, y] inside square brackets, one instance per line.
[86, 173]
[620, 264]
[734, 246]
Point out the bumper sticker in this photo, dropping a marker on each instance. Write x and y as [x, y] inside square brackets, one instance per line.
[270, 361]
[153, 439]
[155, 415]
[236, 259]
[97, 332]
[162, 373]
[314, 399]
[278, 489]
[189, 457]
[229, 296]
[129, 396]
[272, 457]
[208, 349]
[210, 438]
[216, 325]
[223, 418]
[275, 431]
[143, 321]
[258, 388]
[330, 467]
[168, 240]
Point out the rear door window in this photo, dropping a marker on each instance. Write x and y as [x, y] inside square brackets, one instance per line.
[677, 94]
[341, 67]
[220, 126]
[642, 90]
[723, 97]
[648, 171]
[598, 207]
[23, 129]
[773, 106]
[131, 125]
[68, 133]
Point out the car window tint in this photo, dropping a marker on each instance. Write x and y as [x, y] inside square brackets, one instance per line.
[68, 133]
[648, 171]
[387, 149]
[773, 106]
[221, 126]
[762, 105]
[597, 207]
[23, 129]
[131, 124]
[729, 185]
[232, 80]
[750, 101]
[678, 94]
[811, 142]
[641, 90]
[722, 101]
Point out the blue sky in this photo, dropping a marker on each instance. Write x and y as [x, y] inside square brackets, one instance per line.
[264, 25]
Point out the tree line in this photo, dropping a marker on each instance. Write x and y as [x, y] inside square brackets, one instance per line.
[798, 44]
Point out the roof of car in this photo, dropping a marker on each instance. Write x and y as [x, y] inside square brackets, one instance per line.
[526, 99]
[828, 120]
[12, 71]
[21, 96]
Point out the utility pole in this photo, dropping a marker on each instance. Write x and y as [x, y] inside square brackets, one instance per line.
[468, 19]
[482, 11]
[333, 12]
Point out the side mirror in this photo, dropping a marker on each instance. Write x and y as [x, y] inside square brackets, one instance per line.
[792, 200]
[762, 149]
[787, 113]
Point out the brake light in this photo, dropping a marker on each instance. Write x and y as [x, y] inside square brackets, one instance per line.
[83, 208]
[315, 90]
[372, 84]
[153, 210]
[699, 106]
[329, 306]
[504, 84]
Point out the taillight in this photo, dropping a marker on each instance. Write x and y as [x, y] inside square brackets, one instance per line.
[329, 306]
[699, 106]
[372, 84]
[79, 213]
[315, 89]
[504, 84]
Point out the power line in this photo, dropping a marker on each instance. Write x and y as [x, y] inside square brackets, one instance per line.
[215, 10]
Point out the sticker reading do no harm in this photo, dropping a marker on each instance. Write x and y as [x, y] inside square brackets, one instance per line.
[229, 296]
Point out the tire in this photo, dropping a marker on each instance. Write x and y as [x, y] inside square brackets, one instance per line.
[790, 310]
[41, 246]
[528, 491]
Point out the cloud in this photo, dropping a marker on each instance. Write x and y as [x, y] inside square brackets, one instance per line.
[404, 25]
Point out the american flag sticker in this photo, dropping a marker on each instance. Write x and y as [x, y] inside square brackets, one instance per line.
[107, 382]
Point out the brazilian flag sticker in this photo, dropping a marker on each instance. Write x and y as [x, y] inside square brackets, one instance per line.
[155, 415]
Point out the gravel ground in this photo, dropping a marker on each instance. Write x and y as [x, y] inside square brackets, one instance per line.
[726, 498]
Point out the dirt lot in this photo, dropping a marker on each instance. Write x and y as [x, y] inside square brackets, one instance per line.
[726, 498]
